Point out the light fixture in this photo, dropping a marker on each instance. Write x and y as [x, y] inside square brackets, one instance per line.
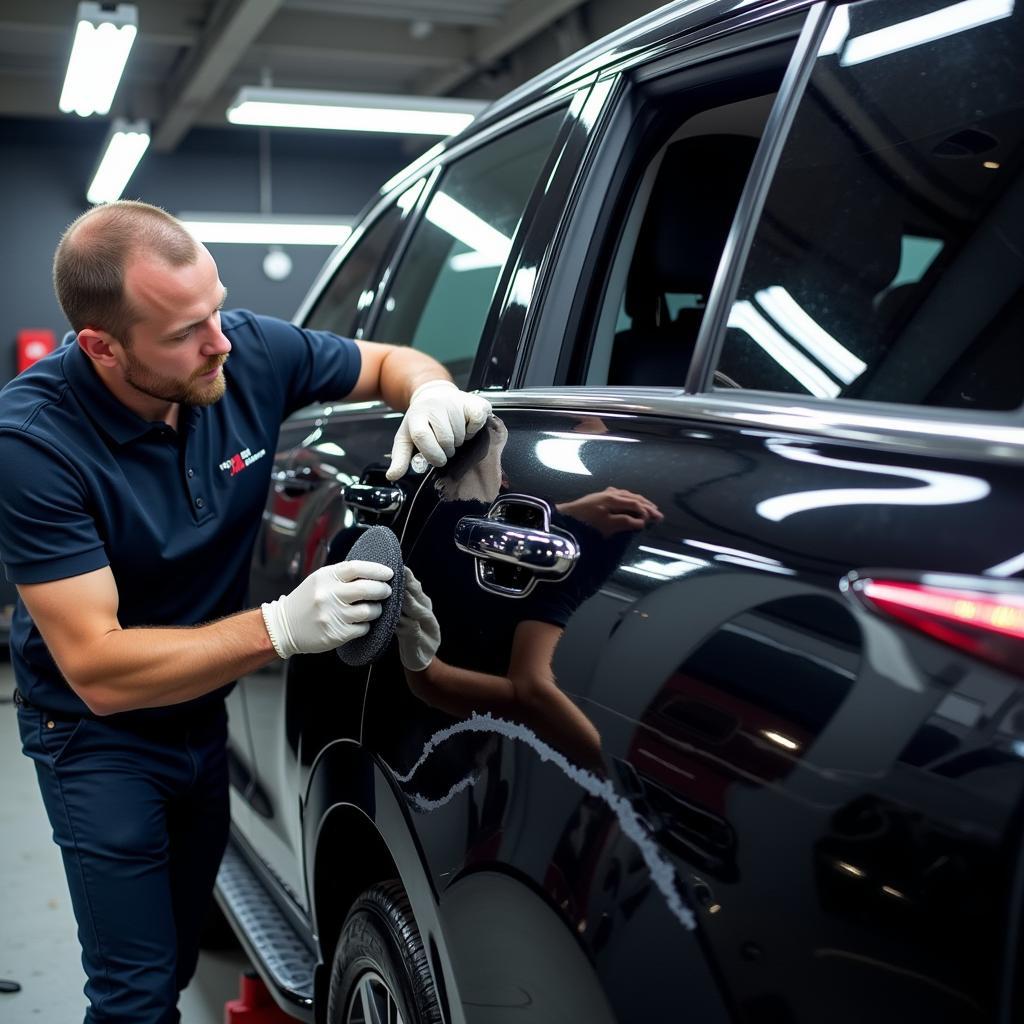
[277, 264]
[103, 39]
[352, 112]
[925, 29]
[126, 142]
[277, 230]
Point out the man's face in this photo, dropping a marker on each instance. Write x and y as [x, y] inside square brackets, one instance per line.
[177, 348]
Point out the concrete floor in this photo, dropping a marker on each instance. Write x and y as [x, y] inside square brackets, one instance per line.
[38, 944]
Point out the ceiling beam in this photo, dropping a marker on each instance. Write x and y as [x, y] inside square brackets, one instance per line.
[170, 24]
[233, 26]
[523, 20]
[327, 36]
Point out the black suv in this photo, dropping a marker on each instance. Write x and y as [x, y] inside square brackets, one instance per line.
[730, 725]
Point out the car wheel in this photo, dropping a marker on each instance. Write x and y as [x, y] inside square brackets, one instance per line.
[380, 973]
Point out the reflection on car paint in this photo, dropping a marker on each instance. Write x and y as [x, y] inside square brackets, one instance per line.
[662, 873]
[940, 488]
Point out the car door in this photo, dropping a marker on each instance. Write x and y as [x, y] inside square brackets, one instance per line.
[434, 292]
[291, 539]
[675, 758]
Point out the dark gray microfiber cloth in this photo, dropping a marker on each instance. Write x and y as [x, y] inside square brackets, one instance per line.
[474, 472]
[377, 544]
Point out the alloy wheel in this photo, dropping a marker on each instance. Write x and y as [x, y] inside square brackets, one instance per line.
[373, 1002]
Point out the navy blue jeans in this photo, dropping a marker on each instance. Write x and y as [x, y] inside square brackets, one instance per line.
[141, 817]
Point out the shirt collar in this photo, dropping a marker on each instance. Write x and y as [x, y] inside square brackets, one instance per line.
[105, 409]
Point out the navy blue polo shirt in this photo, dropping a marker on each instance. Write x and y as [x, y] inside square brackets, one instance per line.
[174, 513]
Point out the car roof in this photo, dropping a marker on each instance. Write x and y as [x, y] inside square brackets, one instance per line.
[658, 27]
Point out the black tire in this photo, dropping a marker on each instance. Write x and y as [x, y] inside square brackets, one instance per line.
[380, 956]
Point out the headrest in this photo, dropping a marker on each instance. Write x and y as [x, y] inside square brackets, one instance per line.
[690, 211]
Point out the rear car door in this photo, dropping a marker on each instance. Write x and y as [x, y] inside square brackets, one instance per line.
[729, 717]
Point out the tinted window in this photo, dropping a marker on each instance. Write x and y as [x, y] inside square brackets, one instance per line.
[671, 242]
[446, 280]
[889, 261]
[352, 287]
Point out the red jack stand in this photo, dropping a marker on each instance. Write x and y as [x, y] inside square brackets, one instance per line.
[254, 1004]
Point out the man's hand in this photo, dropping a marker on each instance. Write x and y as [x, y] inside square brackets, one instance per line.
[440, 417]
[418, 633]
[328, 608]
[613, 510]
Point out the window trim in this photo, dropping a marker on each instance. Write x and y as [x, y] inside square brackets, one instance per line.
[922, 430]
[711, 336]
[512, 340]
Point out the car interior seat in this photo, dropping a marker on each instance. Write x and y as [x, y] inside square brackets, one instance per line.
[691, 208]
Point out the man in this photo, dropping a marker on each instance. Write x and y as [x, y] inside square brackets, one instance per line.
[136, 464]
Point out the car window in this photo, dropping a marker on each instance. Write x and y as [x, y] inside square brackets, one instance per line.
[671, 240]
[442, 291]
[889, 261]
[353, 286]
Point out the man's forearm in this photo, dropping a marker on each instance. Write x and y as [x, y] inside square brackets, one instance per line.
[403, 371]
[148, 667]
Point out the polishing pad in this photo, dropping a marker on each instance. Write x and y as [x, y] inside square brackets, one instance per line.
[377, 544]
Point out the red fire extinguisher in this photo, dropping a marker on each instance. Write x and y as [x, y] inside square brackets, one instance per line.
[33, 344]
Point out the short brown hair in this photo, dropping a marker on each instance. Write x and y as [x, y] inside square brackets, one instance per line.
[89, 264]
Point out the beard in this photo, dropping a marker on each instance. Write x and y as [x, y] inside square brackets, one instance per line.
[189, 391]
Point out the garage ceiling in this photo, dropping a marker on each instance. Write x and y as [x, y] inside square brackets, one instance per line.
[191, 56]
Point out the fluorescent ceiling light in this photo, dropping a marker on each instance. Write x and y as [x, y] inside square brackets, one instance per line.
[925, 29]
[804, 329]
[744, 317]
[351, 111]
[233, 229]
[126, 143]
[103, 40]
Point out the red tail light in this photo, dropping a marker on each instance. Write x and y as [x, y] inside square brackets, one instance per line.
[988, 623]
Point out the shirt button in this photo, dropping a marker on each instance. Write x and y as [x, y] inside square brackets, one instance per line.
[200, 502]
[191, 473]
[50, 724]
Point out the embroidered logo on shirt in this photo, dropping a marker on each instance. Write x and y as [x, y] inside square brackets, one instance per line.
[246, 457]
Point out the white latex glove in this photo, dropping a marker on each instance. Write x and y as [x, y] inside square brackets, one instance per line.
[418, 633]
[440, 417]
[328, 608]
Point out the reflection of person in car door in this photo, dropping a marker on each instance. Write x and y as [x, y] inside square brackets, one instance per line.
[137, 462]
[528, 691]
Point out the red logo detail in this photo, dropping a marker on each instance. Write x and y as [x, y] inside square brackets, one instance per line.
[237, 464]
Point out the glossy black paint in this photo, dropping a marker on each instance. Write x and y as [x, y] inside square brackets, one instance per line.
[697, 778]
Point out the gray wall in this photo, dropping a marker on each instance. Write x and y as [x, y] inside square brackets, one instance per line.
[45, 168]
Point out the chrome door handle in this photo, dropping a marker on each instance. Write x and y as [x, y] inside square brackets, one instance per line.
[379, 500]
[495, 540]
[547, 554]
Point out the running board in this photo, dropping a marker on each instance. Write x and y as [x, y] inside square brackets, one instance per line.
[275, 948]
